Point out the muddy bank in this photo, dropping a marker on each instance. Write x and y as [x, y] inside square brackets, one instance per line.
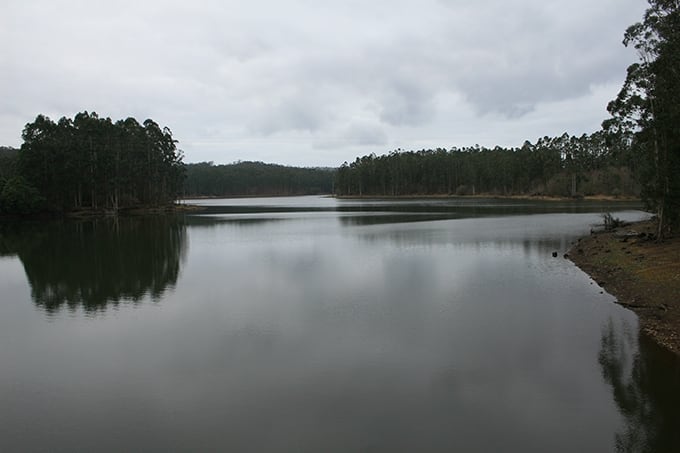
[644, 276]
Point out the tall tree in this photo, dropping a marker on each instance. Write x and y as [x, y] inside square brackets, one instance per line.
[91, 162]
[560, 166]
[646, 111]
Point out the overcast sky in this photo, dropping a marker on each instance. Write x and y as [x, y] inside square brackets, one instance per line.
[316, 83]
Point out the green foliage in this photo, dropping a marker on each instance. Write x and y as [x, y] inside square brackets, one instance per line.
[256, 178]
[559, 166]
[646, 112]
[91, 162]
[18, 197]
[8, 162]
[611, 222]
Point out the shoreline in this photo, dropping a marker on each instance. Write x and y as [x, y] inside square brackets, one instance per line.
[134, 211]
[80, 214]
[226, 197]
[426, 196]
[642, 274]
[488, 196]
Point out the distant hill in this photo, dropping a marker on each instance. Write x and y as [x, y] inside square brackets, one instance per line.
[256, 178]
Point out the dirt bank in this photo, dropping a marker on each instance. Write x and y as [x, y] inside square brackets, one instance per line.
[644, 276]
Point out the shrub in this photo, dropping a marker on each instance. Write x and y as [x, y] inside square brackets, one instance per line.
[17, 196]
[611, 222]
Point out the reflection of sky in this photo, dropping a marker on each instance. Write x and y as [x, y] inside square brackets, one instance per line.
[544, 228]
[303, 201]
[452, 320]
[315, 334]
[355, 212]
[10, 268]
[436, 204]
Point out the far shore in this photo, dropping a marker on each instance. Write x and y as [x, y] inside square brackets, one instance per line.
[491, 196]
[134, 211]
[643, 275]
[91, 213]
[427, 196]
[220, 197]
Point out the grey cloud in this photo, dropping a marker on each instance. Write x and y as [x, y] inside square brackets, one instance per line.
[406, 102]
[538, 52]
[392, 82]
[355, 134]
[366, 134]
[339, 75]
[297, 112]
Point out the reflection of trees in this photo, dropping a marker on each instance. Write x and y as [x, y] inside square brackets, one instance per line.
[387, 218]
[204, 221]
[97, 262]
[646, 388]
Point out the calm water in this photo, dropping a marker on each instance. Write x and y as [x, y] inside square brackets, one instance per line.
[312, 324]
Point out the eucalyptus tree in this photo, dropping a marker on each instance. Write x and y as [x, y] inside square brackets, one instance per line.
[646, 112]
[561, 166]
[91, 162]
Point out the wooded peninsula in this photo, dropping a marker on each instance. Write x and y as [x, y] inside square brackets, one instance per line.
[90, 162]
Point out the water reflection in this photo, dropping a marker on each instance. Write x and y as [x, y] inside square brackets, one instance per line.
[444, 207]
[214, 221]
[296, 331]
[387, 218]
[646, 390]
[97, 263]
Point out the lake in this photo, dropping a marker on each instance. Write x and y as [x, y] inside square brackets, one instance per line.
[313, 324]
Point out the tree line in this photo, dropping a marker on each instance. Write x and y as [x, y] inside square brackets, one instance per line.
[557, 166]
[256, 179]
[90, 162]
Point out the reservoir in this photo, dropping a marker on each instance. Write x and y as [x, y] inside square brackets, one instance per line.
[312, 324]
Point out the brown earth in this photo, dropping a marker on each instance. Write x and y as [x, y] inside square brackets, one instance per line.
[643, 274]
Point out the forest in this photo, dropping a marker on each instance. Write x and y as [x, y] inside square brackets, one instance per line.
[92, 163]
[255, 179]
[560, 166]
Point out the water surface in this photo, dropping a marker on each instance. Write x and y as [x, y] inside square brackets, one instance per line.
[315, 324]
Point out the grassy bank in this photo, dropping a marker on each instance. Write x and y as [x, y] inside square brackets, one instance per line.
[644, 276]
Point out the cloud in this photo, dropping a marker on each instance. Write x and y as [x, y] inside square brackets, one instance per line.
[292, 113]
[532, 52]
[354, 134]
[315, 79]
